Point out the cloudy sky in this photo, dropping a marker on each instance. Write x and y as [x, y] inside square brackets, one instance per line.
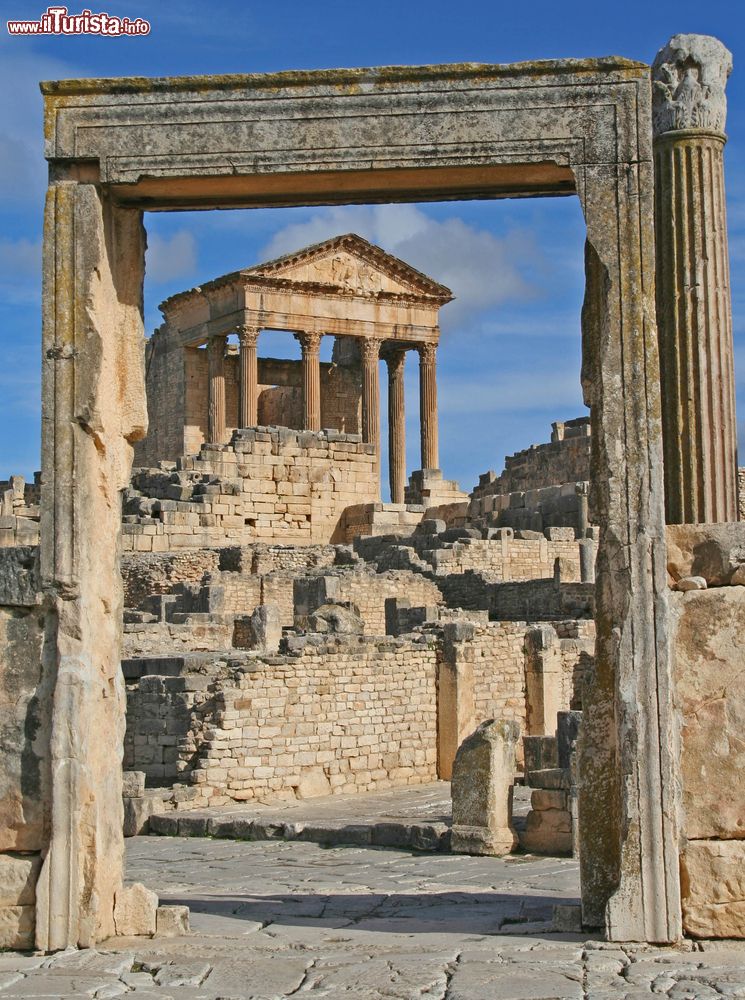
[510, 354]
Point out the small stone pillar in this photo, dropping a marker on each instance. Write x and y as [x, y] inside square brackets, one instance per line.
[482, 785]
[583, 509]
[587, 560]
[396, 425]
[370, 350]
[543, 679]
[428, 406]
[216, 389]
[693, 286]
[248, 337]
[311, 347]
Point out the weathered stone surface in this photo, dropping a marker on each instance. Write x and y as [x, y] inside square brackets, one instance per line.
[18, 875]
[172, 921]
[547, 831]
[690, 74]
[711, 698]
[711, 551]
[135, 910]
[686, 583]
[133, 784]
[19, 576]
[137, 812]
[337, 619]
[483, 776]
[265, 628]
[713, 887]
[17, 927]
[313, 784]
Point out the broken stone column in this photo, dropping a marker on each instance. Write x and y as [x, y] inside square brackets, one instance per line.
[693, 286]
[543, 679]
[370, 351]
[456, 710]
[482, 784]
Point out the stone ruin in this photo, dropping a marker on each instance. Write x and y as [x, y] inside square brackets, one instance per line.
[271, 626]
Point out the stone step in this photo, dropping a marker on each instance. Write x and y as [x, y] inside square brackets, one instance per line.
[416, 836]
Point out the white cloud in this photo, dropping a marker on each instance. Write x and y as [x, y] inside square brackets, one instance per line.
[483, 270]
[23, 171]
[170, 258]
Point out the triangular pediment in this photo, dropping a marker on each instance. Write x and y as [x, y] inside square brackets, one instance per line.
[351, 265]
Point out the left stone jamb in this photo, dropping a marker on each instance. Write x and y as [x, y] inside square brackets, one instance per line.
[93, 409]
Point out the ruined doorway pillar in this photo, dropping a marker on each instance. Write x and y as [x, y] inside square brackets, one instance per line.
[370, 350]
[693, 286]
[216, 393]
[428, 406]
[396, 425]
[311, 347]
[249, 388]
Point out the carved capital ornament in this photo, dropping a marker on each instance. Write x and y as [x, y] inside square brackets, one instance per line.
[688, 79]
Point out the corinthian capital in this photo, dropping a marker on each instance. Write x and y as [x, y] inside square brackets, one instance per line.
[309, 341]
[688, 79]
[427, 353]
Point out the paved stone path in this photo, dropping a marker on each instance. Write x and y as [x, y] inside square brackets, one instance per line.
[276, 919]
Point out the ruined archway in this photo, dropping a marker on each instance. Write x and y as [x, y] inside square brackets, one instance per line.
[119, 147]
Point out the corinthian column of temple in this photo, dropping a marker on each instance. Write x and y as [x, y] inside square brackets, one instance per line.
[311, 347]
[396, 425]
[693, 286]
[428, 406]
[370, 351]
[216, 389]
[248, 337]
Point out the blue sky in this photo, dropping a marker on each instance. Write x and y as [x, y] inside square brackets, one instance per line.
[510, 354]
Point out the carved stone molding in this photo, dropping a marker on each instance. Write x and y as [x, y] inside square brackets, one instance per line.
[370, 349]
[248, 336]
[688, 79]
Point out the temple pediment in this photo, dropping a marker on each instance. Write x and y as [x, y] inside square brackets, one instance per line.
[351, 265]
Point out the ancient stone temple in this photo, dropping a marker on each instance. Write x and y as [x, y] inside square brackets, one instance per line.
[200, 389]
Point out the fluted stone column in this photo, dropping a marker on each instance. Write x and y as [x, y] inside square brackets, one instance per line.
[396, 425]
[311, 345]
[428, 406]
[370, 351]
[216, 389]
[248, 416]
[693, 286]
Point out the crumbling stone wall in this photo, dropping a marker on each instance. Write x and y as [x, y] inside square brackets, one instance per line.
[565, 459]
[338, 715]
[19, 511]
[267, 484]
[25, 711]
[707, 566]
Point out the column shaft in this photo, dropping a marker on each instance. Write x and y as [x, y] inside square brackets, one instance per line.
[428, 406]
[216, 390]
[370, 350]
[694, 318]
[249, 380]
[311, 346]
[396, 426]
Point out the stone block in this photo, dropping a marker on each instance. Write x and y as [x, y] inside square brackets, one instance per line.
[133, 784]
[313, 784]
[712, 551]
[547, 831]
[547, 798]
[172, 921]
[713, 888]
[137, 814]
[482, 784]
[17, 927]
[709, 693]
[19, 576]
[18, 875]
[135, 911]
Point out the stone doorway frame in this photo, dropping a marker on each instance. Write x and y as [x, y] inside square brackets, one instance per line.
[119, 147]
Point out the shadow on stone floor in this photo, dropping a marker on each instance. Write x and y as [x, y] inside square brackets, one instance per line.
[484, 913]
